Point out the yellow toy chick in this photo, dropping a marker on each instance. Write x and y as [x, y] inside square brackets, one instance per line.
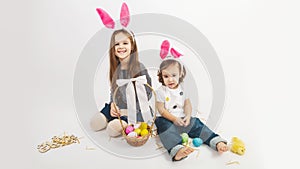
[237, 146]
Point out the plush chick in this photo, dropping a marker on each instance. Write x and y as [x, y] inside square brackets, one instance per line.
[237, 146]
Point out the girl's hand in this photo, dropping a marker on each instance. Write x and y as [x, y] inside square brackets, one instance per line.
[114, 110]
[187, 120]
[178, 121]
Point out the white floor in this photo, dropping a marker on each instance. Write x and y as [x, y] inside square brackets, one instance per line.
[116, 151]
[257, 43]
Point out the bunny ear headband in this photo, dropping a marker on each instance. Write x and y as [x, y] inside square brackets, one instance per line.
[110, 23]
[164, 50]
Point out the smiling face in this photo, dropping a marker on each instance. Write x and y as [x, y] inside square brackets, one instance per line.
[122, 47]
[171, 75]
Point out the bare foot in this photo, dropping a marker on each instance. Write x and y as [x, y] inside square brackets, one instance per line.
[183, 152]
[222, 147]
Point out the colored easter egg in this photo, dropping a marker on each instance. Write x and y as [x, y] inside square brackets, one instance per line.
[197, 142]
[138, 131]
[185, 137]
[143, 125]
[129, 129]
[132, 134]
[144, 132]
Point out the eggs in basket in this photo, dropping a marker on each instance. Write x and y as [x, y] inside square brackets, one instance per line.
[137, 134]
[137, 130]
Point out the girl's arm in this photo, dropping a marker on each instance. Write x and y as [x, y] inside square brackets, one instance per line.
[114, 109]
[166, 114]
[187, 111]
[187, 107]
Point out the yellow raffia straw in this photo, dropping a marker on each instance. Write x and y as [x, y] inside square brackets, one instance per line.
[232, 162]
[198, 154]
[158, 146]
[90, 148]
[57, 142]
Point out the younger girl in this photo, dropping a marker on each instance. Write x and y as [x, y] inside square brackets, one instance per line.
[174, 116]
[124, 64]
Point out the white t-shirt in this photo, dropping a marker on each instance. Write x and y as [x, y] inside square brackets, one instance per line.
[173, 99]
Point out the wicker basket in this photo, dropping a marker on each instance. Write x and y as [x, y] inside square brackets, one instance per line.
[141, 140]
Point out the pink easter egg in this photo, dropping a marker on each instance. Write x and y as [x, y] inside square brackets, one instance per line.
[129, 129]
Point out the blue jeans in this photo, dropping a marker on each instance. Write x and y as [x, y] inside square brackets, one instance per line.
[106, 112]
[169, 133]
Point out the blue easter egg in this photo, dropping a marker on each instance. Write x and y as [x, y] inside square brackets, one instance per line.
[197, 142]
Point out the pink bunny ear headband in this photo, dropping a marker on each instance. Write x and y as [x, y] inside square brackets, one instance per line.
[110, 23]
[164, 51]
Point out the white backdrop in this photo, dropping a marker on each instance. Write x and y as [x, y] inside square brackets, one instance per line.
[256, 41]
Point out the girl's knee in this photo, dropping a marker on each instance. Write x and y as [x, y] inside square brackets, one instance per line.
[162, 124]
[98, 122]
[196, 122]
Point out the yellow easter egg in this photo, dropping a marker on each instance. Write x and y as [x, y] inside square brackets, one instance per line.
[143, 125]
[144, 132]
[138, 131]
